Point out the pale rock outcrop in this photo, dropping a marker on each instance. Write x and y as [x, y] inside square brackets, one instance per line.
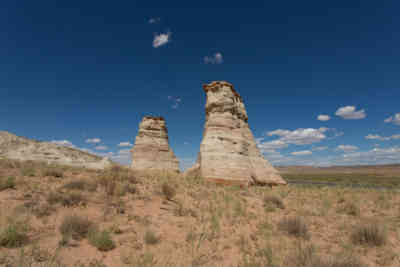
[151, 150]
[21, 148]
[228, 151]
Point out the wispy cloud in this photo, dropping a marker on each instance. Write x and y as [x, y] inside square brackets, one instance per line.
[154, 20]
[301, 153]
[93, 140]
[176, 101]
[125, 144]
[347, 148]
[214, 59]
[63, 143]
[382, 138]
[395, 119]
[319, 148]
[350, 113]
[161, 39]
[323, 117]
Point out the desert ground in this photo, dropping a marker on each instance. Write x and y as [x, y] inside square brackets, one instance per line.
[64, 216]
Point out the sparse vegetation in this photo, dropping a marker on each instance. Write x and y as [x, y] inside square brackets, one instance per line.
[100, 239]
[272, 201]
[75, 227]
[80, 185]
[306, 256]
[53, 172]
[7, 183]
[151, 238]
[294, 226]
[168, 191]
[369, 233]
[67, 199]
[350, 208]
[13, 235]
[201, 225]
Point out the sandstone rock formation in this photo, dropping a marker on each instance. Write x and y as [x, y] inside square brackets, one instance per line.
[228, 152]
[151, 150]
[20, 148]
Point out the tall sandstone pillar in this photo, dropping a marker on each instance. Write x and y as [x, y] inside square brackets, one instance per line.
[228, 151]
[151, 150]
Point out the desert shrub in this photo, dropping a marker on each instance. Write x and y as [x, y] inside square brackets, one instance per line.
[275, 201]
[100, 239]
[7, 183]
[13, 235]
[350, 208]
[305, 256]
[294, 226]
[43, 210]
[80, 185]
[53, 172]
[66, 199]
[151, 238]
[54, 198]
[369, 233]
[28, 171]
[75, 227]
[73, 199]
[168, 191]
[347, 261]
[132, 189]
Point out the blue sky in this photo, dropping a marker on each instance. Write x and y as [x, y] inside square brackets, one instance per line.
[84, 73]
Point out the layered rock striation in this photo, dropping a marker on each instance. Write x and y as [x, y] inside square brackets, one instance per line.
[21, 148]
[228, 151]
[151, 150]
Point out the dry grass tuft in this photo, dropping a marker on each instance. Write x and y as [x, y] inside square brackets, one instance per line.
[67, 199]
[370, 233]
[53, 172]
[350, 208]
[294, 226]
[306, 256]
[13, 235]
[100, 239]
[75, 227]
[7, 183]
[168, 191]
[271, 201]
[80, 185]
[151, 238]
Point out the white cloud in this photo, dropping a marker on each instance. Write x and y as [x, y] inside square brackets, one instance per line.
[323, 117]
[350, 113]
[124, 151]
[125, 144]
[101, 148]
[374, 156]
[347, 148]
[215, 59]
[382, 138]
[176, 101]
[300, 136]
[320, 148]
[63, 143]
[394, 119]
[161, 39]
[301, 153]
[93, 140]
[271, 145]
[154, 20]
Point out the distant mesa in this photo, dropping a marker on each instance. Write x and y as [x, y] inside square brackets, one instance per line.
[151, 150]
[20, 148]
[228, 152]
